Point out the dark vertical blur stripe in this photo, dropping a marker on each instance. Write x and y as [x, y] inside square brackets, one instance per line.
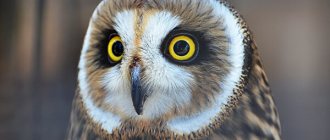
[8, 24]
[35, 93]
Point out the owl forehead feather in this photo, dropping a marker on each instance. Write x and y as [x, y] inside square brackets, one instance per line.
[194, 13]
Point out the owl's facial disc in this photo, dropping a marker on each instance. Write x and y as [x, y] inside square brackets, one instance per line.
[190, 62]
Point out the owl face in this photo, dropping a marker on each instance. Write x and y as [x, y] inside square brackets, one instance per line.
[173, 61]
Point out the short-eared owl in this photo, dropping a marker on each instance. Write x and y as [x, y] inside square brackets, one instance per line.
[171, 69]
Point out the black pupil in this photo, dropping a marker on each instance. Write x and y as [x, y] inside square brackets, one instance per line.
[181, 48]
[118, 48]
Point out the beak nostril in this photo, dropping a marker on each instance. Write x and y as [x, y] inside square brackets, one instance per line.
[135, 61]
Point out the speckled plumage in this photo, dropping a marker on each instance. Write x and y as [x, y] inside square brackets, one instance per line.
[249, 113]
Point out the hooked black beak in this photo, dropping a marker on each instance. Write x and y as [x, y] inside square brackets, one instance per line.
[138, 94]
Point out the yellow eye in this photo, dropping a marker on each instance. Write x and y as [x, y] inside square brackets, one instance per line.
[182, 48]
[115, 49]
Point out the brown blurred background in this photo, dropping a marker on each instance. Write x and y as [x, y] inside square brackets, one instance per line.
[40, 42]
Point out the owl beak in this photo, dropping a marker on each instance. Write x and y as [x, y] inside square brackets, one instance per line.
[138, 94]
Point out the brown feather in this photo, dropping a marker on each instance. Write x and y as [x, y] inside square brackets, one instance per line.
[250, 113]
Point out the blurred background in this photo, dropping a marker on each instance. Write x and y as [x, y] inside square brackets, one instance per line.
[40, 43]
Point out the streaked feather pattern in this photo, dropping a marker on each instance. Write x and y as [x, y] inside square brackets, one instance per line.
[250, 113]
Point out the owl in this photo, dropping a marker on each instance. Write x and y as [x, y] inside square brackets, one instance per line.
[171, 69]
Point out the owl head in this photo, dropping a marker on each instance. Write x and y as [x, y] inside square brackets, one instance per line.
[171, 65]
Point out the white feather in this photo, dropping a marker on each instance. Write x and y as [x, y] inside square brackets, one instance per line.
[107, 120]
[169, 84]
[124, 24]
[116, 80]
